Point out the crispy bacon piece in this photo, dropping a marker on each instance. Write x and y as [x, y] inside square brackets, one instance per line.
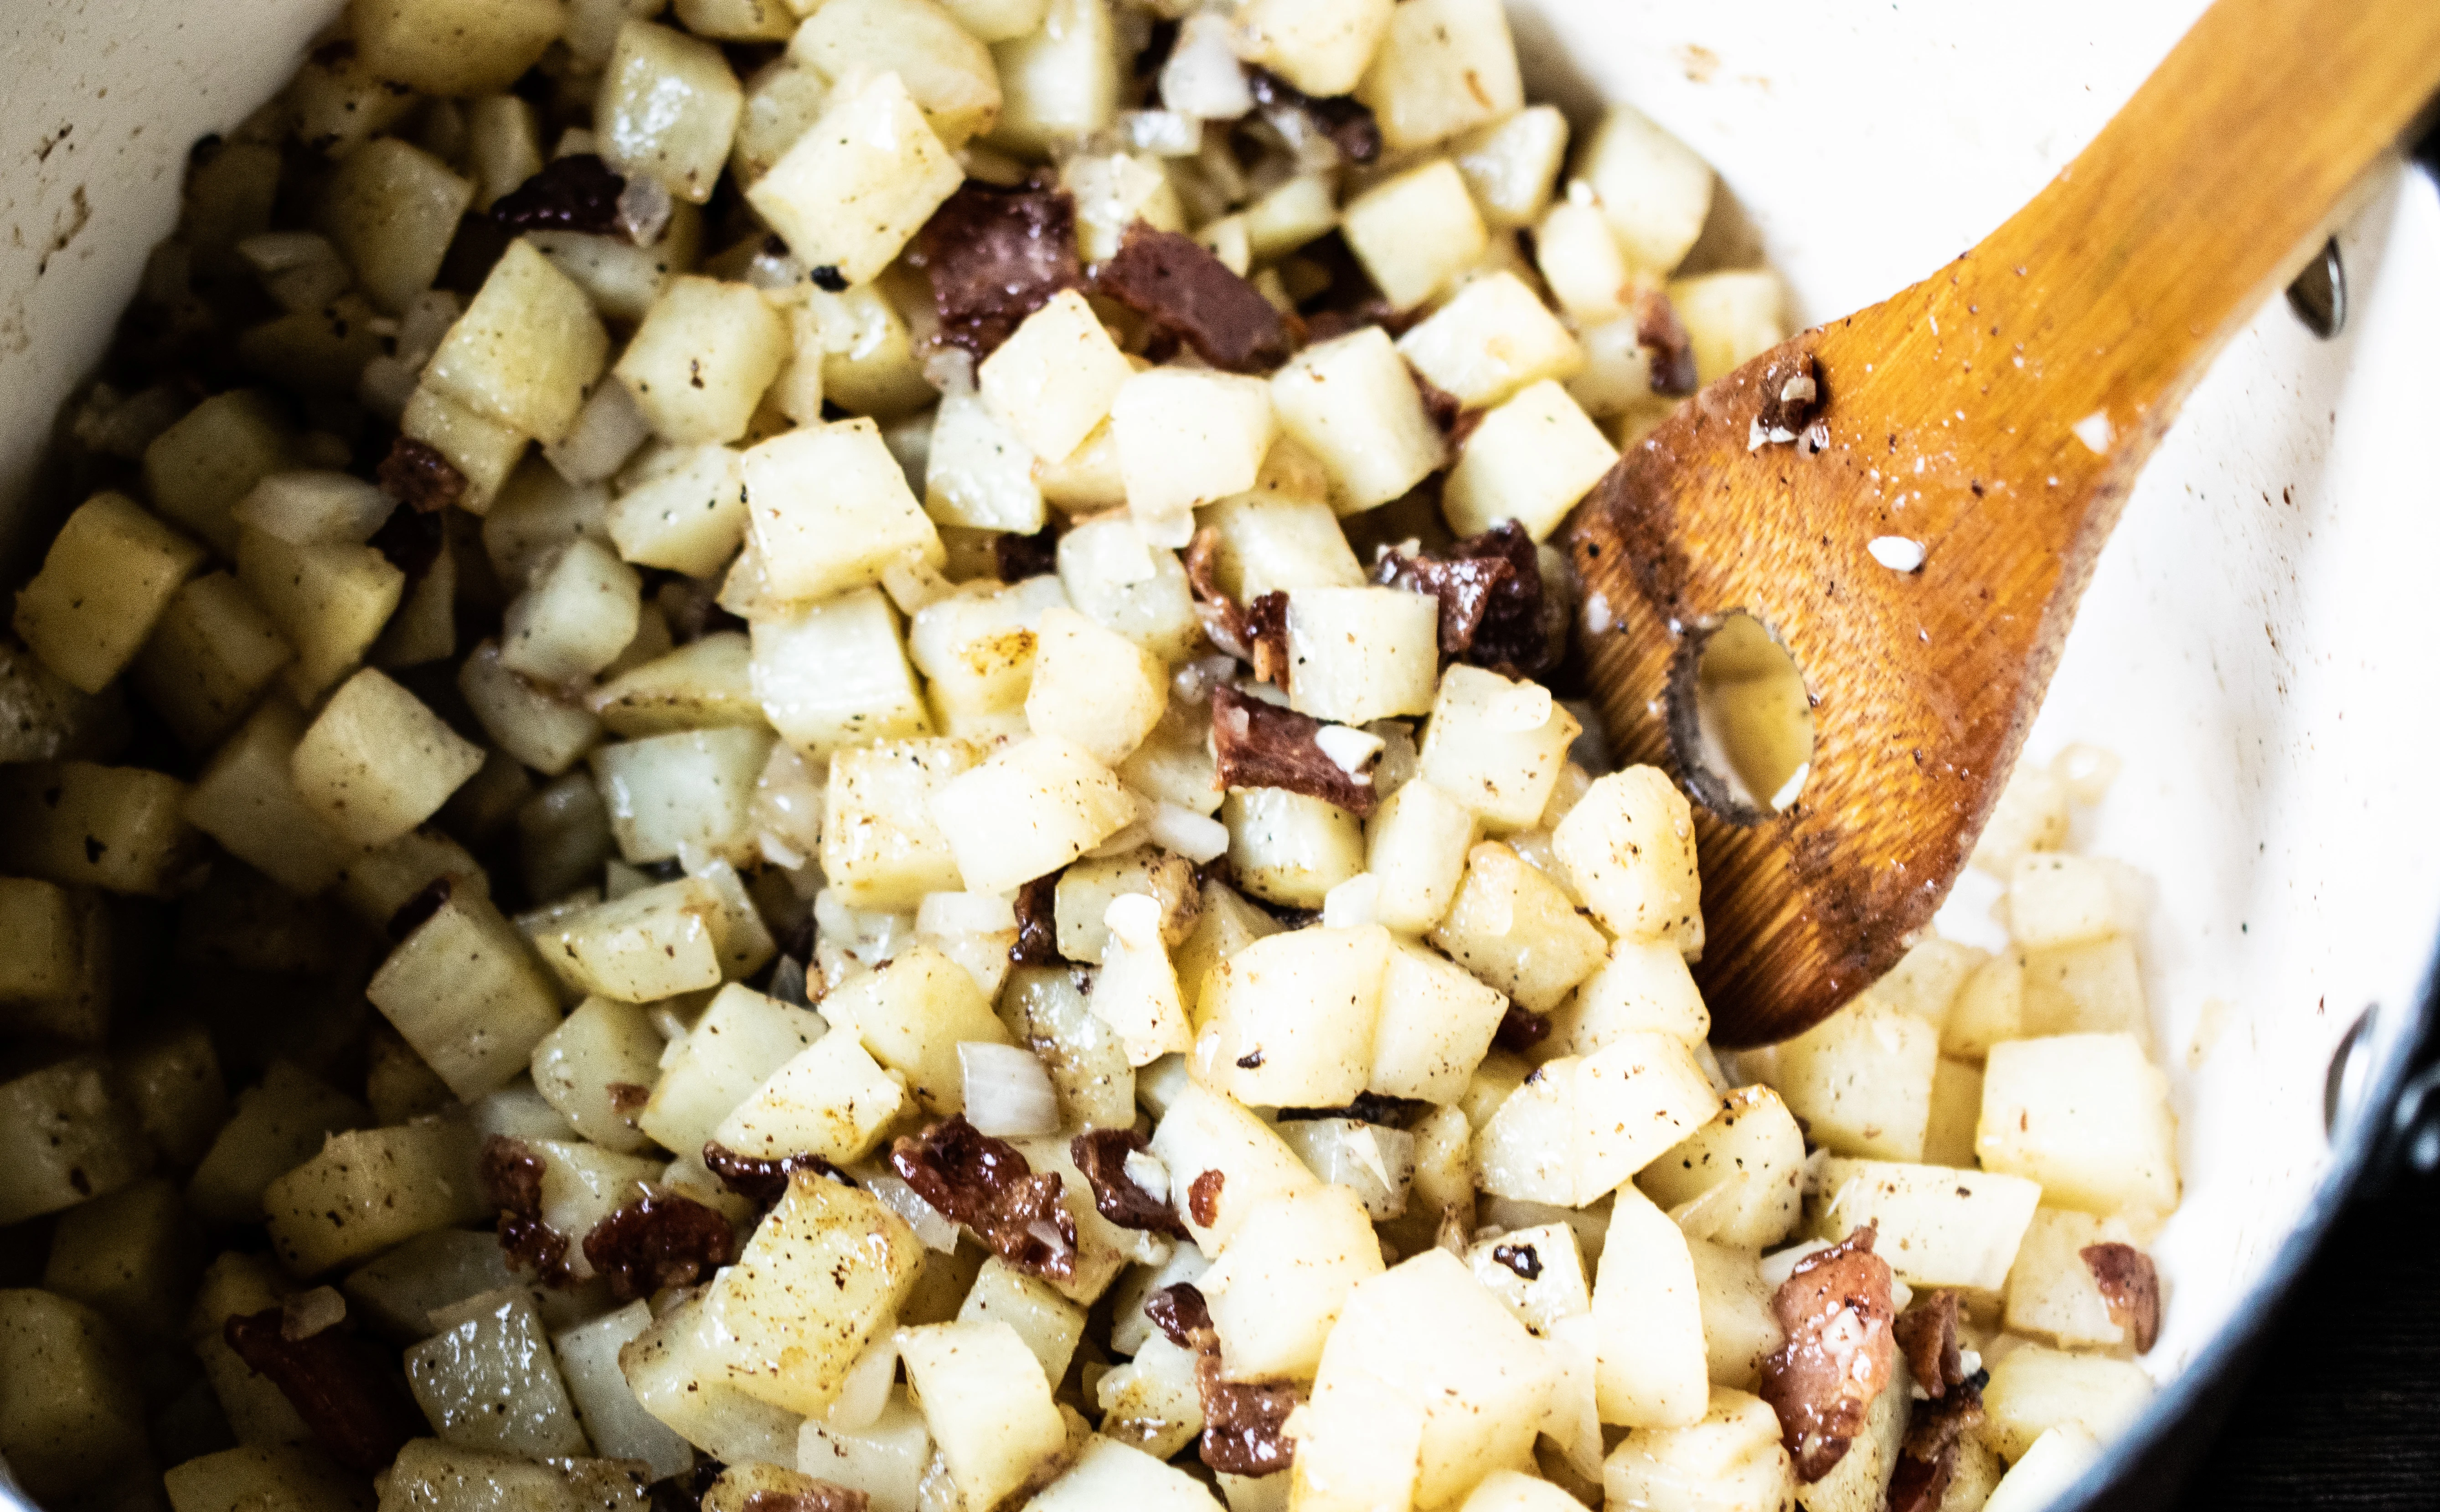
[1244, 1423]
[1203, 1197]
[1495, 611]
[1521, 1030]
[1836, 1310]
[1019, 557]
[347, 1391]
[1181, 1312]
[1185, 294]
[579, 192]
[1038, 928]
[1350, 127]
[1522, 1258]
[822, 1496]
[1927, 1334]
[763, 1182]
[2131, 1286]
[1102, 1154]
[512, 1177]
[995, 256]
[1927, 1458]
[984, 1183]
[417, 475]
[1256, 634]
[1658, 328]
[659, 1240]
[1262, 745]
[683, 1492]
[627, 1099]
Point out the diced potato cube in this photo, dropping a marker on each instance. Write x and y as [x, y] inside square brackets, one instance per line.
[1056, 377]
[1047, 1323]
[1417, 843]
[1511, 164]
[1320, 49]
[73, 1414]
[703, 356]
[526, 351]
[453, 47]
[741, 1040]
[376, 762]
[861, 182]
[1752, 1154]
[430, 1473]
[1654, 191]
[617, 1424]
[1643, 986]
[1289, 1020]
[80, 825]
[705, 684]
[1187, 437]
[597, 1066]
[1537, 1270]
[977, 473]
[1113, 578]
[912, 1014]
[880, 847]
[2087, 1116]
[1515, 930]
[2033, 1390]
[1240, 1162]
[947, 70]
[1861, 1080]
[1080, 902]
[832, 511]
[1651, 1370]
[1110, 1473]
[2031, 815]
[468, 995]
[486, 1380]
[977, 648]
[2052, 1291]
[1497, 747]
[1732, 318]
[1490, 339]
[278, 1125]
[485, 450]
[677, 1370]
[196, 471]
[393, 208]
[987, 1404]
[1414, 232]
[1061, 82]
[369, 1190]
[1445, 68]
[328, 602]
[1029, 811]
[1279, 1287]
[675, 795]
[264, 1478]
[1154, 1401]
[534, 726]
[46, 940]
[791, 1344]
[1358, 654]
[106, 581]
[1630, 847]
[1580, 1127]
[1282, 533]
[1530, 460]
[1990, 1008]
[686, 513]
[68, 1136]
[1290, 848]
[2061, 900]
[1939, 1227]
[2095, 987]
[666, 111]
[1351, 402]
[212, 651]
[1093, 687]
[1435, 1025]
[887, 1459]
[835, 674]
[1424, 1335]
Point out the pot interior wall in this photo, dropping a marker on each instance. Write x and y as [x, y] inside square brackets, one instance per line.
[2250, 645]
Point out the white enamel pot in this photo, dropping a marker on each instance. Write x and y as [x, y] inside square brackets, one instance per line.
[2253, 644]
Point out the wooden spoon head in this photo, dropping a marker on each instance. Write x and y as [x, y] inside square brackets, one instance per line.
[1923, 682]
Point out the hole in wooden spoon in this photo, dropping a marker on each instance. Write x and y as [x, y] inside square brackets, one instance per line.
[1741, 720]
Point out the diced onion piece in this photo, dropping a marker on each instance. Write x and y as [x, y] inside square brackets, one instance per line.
[865, 1391]
[947, 914]
[1144, 1169]
[1353, 904]
[308, 1313]
[1008, 1093]
[936, 1228]
[1183, 832]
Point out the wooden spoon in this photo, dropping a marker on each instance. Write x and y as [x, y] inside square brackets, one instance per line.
[1996, 414]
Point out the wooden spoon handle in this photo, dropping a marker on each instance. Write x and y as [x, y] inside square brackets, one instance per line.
[2196, 201]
